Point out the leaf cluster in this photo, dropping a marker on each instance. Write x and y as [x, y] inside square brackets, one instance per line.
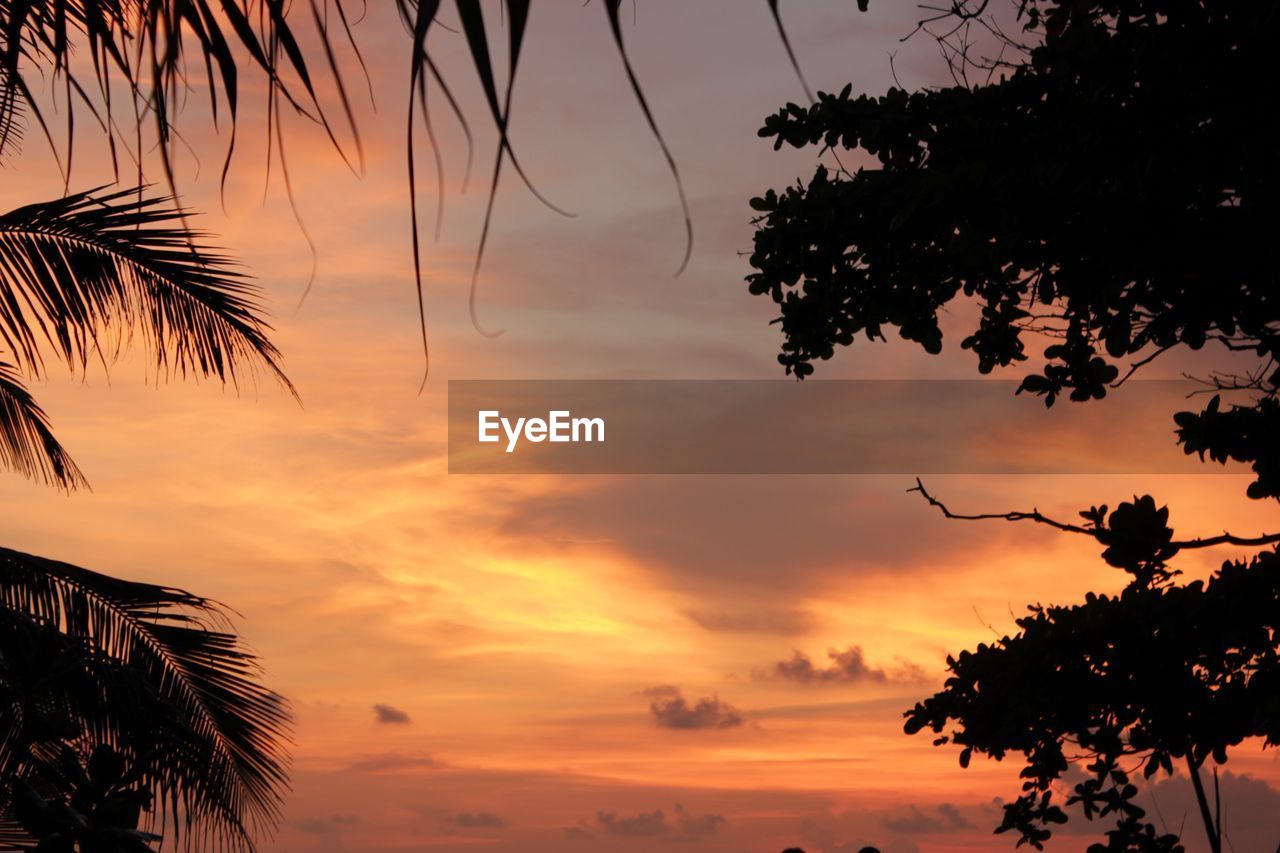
[1122, 686]
[1114, 192]
[89, 661]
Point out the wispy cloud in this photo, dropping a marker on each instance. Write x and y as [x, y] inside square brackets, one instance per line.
[325, 826]
[848, 666]
[672, 711]
[476, 820]
[679, 825]
[390, 761]
[389, 716]
[945, 818]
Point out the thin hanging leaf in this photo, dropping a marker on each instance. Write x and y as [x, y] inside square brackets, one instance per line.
[612, 8]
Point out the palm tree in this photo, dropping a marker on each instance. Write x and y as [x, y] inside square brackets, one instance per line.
[116, 694]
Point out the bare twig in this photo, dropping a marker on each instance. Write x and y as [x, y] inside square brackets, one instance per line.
[1133, 368]
[1035, 515]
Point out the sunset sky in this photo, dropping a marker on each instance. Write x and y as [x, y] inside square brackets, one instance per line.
[557, 663]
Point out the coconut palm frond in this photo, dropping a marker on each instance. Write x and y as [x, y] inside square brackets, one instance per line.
[10, 119]
[97, 654]
[27, 444]
[85, 273]
[146, 48]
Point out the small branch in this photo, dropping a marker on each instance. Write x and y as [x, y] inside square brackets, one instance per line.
[1095, 532]
[1215, 844]
[1034, 515]
[1133, 368]
[1251, 380]
[1228, 539]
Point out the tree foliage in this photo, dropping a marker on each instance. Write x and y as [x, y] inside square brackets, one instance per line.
[84, 276]
[91, 663]
[118, 696]
[1106, 191]
[1115, 191]
[101, 814]
[1162, 673]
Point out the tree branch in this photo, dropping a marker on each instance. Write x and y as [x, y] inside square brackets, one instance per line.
[1211, 830]
[1035, 514]
[1095, 532]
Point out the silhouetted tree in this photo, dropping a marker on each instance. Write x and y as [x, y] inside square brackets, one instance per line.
[101, 814]
[1109, 184]
[116, 694]
[104, 672]
[1161, 673]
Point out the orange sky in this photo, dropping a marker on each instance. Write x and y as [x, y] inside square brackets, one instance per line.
[524, 626]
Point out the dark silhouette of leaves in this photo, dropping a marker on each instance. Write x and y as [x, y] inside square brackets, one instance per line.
[1110, 187]
[27, 444]
[1010, 195]
[81, 276]
[75, 268]
[147, 48]
[89, 661]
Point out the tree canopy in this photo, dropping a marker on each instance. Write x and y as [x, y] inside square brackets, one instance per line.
[1115, 191]
[1121, 684]
[1105, 190]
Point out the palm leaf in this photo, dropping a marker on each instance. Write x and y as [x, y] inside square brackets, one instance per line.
[146, 45]
[85, 273]
[103, 654]
[10, 119]
[27, 444]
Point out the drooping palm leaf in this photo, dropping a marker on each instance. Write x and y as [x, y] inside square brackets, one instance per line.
[145, 47]
[27, 444]
[103, 654]
[85, 273]
[10, 120]
[612, 9]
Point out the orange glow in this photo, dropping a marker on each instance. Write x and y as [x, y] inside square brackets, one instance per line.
[518, 622]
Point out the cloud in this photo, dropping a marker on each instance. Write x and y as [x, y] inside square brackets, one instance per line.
[826, 839]
[914, 820]
[738, 551]
[325, 826]
[389, 716]
[390, 761]
[477, 820]
[953, 816]
[1248, 805]
[783, 622]
[683, 825]
[697, 826]
[643, 825]
[672, 711]
[847, 667]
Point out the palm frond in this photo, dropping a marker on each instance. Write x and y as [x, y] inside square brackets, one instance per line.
[10, 119]
[146, 670]
[27, 444]
[145, 47]
[85, 273]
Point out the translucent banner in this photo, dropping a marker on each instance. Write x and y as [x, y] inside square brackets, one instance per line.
[811, 427]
